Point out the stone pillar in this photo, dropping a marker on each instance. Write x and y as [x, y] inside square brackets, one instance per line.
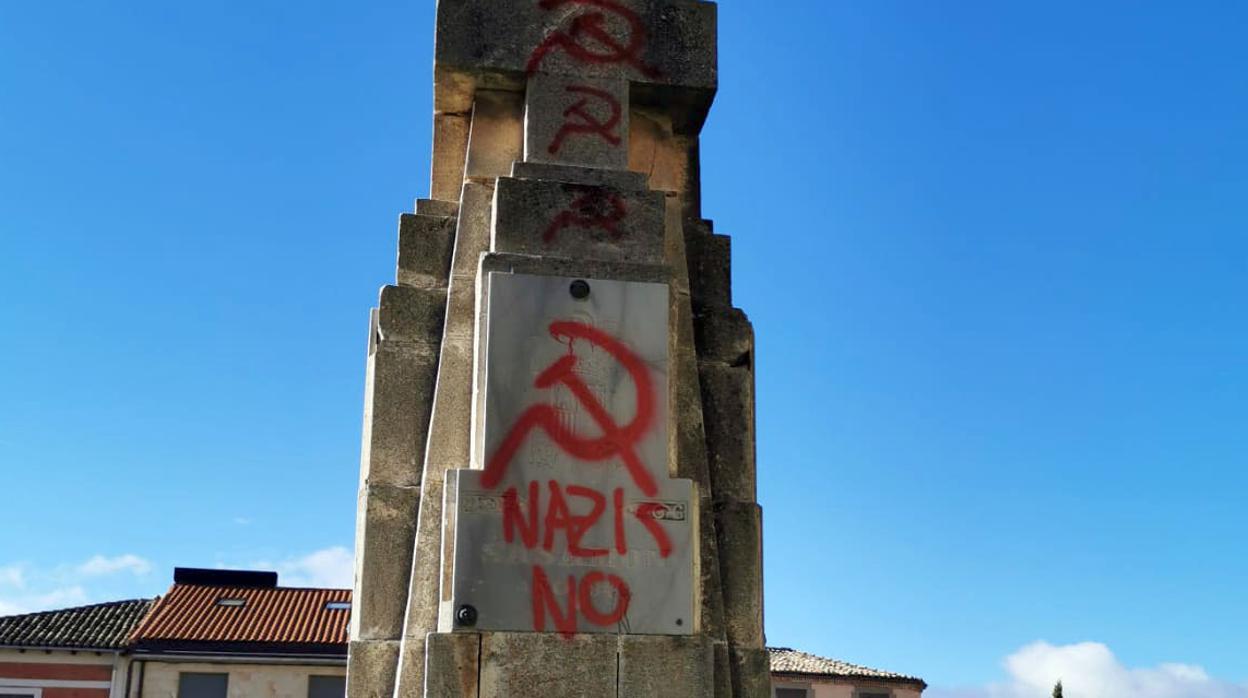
[557, 476]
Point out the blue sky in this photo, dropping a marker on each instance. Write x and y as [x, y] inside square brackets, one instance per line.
[995, 255]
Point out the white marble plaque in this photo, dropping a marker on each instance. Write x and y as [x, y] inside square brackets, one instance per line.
[569, 522]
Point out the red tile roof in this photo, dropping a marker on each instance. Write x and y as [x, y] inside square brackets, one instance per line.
[189, 613]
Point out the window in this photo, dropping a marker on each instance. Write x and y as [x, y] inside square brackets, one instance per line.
[327, 686]
[792, 692]
[202, 685]
[873, 694]
[11, 692]
[233, 603]
[337, 605]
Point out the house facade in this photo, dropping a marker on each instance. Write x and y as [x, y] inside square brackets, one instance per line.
[237, 634]
[70, 653]
[228, 634]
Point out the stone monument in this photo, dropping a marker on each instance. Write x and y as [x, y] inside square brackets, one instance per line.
[557, 484]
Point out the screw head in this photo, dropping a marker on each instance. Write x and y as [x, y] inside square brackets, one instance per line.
[466, 615]
[579, 289]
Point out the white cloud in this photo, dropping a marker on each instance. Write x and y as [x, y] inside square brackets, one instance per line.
[26, 588]
[328, 568]
[1090, 670]
[13, 576]
[57, 598]
[100, 566]
[242, 521]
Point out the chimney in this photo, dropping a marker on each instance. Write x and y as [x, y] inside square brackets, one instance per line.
[251, 579]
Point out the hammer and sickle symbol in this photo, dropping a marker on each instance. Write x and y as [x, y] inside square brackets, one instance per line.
[595, 208]
[586, 122]
[588, 40]
[616, 440]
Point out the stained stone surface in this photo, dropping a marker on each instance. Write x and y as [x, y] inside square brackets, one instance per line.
[652, 42]
[388, 514]
[534, 664]
[425, 245]
[495, 138]
[451, 662]
[728, 397]
[740, 530]
[578, 221]
[666, 667]
[589, 558]
[600, 545]
[576, 121]
[450, 151]
[751, 673]
[371, 668]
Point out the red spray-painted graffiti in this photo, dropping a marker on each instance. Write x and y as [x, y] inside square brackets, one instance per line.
[570, 511]
[616, 440]
[595, 208]
[586, 122]
[559, 517]
[588, 38]
[544, 600]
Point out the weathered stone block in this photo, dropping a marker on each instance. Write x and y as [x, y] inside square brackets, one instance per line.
[577, 221]
[740, 531]
[472, 231]
[723, 670]
[385, 554]
[751, 673]
[576, 121]
[657, 666]
[728, 416]
[665, 43]
[619, 179]
[654, 149]
[674, 246]
[450, 151]
[401, 381]
[410, 680]
[497, 134]
[713, 620]
[451, 665]
[449, 440]
[690, 458]
[516, 665]
[425, 246]
[710, 268]
[725, 336]
[423, 587]
[691, 190]
[438, 207]
[371, 668]
[451, 422]
[410, 315]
